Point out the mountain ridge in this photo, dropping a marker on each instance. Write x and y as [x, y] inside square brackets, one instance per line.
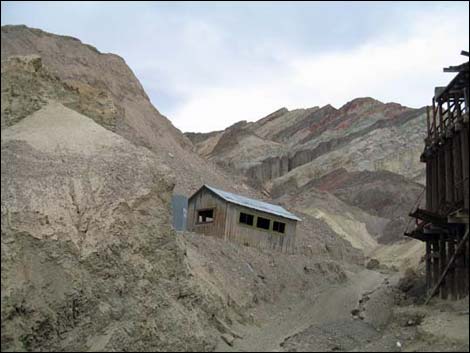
[290, 139]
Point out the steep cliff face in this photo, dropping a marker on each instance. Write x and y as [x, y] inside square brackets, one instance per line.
[89, 260]
[103, 87]
[394, 148]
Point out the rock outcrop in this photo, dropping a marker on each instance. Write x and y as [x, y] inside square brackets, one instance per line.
[27, 86]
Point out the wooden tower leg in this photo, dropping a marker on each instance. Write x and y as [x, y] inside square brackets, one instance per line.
[451, 275]
[442, 264]
[435, 261]
[428, 267]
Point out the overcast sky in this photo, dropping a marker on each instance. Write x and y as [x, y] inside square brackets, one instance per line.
[208, 65]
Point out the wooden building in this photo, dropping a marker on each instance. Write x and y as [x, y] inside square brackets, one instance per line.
[240, 219]
[444, 223]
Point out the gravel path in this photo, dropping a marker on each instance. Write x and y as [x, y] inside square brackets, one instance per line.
[331, 308]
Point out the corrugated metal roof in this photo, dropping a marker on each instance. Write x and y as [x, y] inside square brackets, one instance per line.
[254, 204]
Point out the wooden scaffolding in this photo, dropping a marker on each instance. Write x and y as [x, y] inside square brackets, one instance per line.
[444, 223]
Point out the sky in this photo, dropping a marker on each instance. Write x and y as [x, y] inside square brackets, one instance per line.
[207, 65]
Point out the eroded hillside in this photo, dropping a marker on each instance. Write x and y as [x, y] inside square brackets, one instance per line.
[85, 238]
[104, 88]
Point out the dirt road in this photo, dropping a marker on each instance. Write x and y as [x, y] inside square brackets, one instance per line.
[277, 323]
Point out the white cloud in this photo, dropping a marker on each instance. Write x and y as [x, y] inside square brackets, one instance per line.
[389, 69]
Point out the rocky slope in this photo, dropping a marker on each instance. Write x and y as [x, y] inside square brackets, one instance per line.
[89, 260]
[258, 285]
[381, 194]
[104, 88]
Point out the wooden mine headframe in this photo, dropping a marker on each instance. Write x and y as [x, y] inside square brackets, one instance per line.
[444, 223]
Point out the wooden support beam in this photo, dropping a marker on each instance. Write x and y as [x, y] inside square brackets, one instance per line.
[457, 162]
[449, 173]
[465, 164]
[458, 109]
[460, 268]
[429, 185]
[441, 118]
[458, 68]
[416, 235]
[451, 274]
[441, 179]
[428, 122]
[434, 184]
[431, 262]
[465, 268]
[442, 264]
[428, 267]
[449, 264]
[429, 217]
[467, 103]
[434, 122]
[435, 261]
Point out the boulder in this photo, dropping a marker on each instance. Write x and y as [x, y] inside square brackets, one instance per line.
[373, 264]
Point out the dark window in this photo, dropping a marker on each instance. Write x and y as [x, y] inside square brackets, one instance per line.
[263, 223]
[205, 216]
[279, 227]
[246, 218]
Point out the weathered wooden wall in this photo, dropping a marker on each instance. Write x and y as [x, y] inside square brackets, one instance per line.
[447, 172]
[260, 238]
[203, 200]
[226, 224]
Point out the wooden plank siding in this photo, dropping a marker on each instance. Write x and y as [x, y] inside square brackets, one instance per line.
[207, 200]
[226, 223]
[255, 237]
